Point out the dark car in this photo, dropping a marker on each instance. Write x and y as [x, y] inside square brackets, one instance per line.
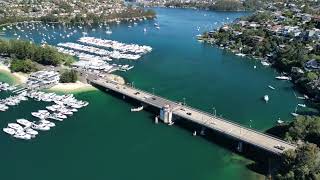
[279, 147]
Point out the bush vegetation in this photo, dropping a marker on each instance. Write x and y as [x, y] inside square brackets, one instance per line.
[24, 50]
[68, 76]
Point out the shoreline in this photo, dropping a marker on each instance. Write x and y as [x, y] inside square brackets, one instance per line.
[18, 77]
[112, 20]
[77, 87]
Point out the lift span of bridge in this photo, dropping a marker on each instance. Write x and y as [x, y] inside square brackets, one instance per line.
[170, 108]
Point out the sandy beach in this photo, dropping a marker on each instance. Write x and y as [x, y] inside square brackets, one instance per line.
[72, 87]
[19, 78]
[78, 86]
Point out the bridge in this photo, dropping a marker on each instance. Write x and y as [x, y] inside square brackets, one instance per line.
[169, 108]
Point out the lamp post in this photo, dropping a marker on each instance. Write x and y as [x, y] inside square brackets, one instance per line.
[214, 111]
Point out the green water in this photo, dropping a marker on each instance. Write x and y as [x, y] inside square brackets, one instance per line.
[106, 141]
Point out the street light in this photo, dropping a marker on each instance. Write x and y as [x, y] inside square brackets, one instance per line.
[214, 111]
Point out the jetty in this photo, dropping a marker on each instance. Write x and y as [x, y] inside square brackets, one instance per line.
[170, 110]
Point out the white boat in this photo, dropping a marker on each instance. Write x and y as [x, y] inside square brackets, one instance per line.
[47, 123]
[22, 135]
[271, 87]
[31, 131]
[9, 131]
[109, 32]
[294, 114]
[137, 109]
[41, 127]
[50, 108]
[265, 63]
[42, 114]
[194, 133]
[24, 122]
[302, 105]
[266, 98]
[59, 115]
[283, 78]
[144, 29]
[15, 126]
[280, 121]
[240, 54]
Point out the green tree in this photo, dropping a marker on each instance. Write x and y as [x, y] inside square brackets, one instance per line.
[68, 76]
[25, 66]
[302, 163]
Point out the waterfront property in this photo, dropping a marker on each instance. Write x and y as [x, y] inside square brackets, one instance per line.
[168, 109]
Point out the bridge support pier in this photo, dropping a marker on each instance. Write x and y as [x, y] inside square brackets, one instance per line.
[202, 132]
[240, 146]
[166, 114]
[156, 120]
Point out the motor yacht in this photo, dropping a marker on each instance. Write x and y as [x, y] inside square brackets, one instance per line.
[9, 131]
[31, 131]
[47, 123]
[22, 135]
[41, 127]
[24, 122]
[15, 126]
[283, 78]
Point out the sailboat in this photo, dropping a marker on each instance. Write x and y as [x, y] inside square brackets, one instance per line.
[271, 87]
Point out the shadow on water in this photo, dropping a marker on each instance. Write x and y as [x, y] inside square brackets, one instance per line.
[261, 158]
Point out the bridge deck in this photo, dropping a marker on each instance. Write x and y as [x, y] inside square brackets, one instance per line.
[224, 126]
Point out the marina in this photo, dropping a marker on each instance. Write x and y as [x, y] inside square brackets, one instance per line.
[122, 50]
[122, 47]
[64, 105]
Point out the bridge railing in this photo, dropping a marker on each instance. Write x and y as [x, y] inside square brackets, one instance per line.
[241, 138]
[239, 125]
[210, 115]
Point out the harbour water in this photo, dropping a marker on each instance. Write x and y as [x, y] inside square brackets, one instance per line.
[107, 141]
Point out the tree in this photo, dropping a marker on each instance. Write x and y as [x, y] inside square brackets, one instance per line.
[302, 163]
[68, 76]
[25, 66]
[22, 50]
[305, 128]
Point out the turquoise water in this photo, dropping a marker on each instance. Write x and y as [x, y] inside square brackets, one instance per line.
[107, 141]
